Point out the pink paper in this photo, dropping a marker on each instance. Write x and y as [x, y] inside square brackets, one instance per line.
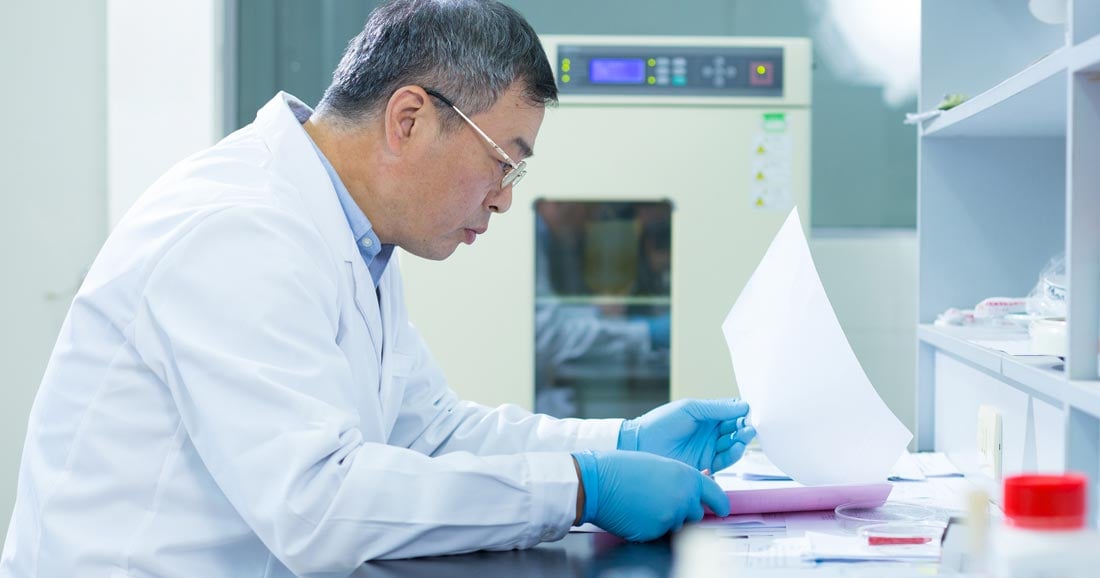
[805, 498]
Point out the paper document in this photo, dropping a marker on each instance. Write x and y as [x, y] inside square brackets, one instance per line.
[754, 465]
[756, 496]
[816, 414]
[1009, 346]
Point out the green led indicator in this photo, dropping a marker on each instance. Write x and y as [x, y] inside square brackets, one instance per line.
[761, 70]
[652, 62]
[565, 65]
[652, 80]
[565, 78]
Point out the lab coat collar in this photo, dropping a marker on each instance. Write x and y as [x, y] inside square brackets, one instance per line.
[294, 159]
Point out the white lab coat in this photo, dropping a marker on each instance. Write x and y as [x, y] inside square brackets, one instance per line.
[230, 397]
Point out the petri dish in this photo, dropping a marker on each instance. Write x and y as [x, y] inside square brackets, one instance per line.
[855, 515]
[901, 537]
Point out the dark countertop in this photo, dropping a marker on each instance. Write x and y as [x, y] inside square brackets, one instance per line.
[576, 555]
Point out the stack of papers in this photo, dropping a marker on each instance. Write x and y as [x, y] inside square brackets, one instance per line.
[766, 496]
[909, 467]
[917, 467]
[748, 525]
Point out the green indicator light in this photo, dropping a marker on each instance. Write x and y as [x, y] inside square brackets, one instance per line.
[566, 62]
[652, 80]
[761, 70]
[565, 78]
[565, 67]
[652, 62]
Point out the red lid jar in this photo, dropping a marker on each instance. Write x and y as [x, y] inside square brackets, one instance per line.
[1046, 502]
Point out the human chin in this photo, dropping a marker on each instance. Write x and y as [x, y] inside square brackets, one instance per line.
[441, 250]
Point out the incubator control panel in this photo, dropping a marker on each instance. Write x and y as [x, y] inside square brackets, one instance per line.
[670, 70]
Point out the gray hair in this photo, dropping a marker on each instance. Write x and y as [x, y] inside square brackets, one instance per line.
[470, 51]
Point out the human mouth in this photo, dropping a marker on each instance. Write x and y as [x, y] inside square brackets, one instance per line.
[471, 234]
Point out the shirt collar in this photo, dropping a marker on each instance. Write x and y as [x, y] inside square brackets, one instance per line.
[374, 253]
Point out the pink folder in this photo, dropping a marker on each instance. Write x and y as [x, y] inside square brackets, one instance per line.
[805, 498]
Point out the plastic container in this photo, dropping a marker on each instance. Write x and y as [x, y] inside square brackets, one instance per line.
[1048, 337]
[855, 515]
[1044, 533]
[902, 539]
[900, 534]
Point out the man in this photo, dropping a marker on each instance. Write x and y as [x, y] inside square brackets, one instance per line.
[236, 390]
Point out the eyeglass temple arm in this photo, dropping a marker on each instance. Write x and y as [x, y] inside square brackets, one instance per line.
[483, 135]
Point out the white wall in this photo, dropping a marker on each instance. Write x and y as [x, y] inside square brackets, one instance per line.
[52, 193]
[99, 99]
[166, 85]
[871, 280]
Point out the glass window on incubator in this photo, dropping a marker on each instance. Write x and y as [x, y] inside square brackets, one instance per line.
[602, 314]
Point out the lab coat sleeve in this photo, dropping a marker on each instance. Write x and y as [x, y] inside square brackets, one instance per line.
[239, 320]
[435, 421]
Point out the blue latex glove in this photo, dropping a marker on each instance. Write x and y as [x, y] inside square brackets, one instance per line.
[704, 434]
[641, 497]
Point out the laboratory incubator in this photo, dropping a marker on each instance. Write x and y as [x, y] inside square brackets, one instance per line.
[657, 183]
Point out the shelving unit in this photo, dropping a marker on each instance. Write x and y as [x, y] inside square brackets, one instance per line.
[1009, 179]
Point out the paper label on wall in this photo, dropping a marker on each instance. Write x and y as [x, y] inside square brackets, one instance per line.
[770, 187]
[817, 415]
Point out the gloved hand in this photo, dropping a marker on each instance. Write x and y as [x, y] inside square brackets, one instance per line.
[640, 497]
[704, 434]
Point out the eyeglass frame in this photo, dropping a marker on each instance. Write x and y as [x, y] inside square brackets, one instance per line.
[518, 170]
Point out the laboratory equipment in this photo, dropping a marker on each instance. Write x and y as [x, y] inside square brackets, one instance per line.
[856, 515]
[657, 184]
[1048, 336]
[901, 534]
[1044, 531]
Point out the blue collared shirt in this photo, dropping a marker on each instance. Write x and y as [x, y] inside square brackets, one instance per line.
[374, 253]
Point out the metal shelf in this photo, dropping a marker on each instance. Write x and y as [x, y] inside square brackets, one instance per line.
[1031, 102]
[1085, 57]
[1042, 375]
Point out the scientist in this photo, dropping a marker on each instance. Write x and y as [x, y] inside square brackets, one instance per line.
[236, 390]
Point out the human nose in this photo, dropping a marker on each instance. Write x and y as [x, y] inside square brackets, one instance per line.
[500, 201]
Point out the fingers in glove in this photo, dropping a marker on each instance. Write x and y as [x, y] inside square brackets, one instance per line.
[745, 435]
[727, 458]
[724, 443]
[695, 513]
[714, 497]
[717, 409]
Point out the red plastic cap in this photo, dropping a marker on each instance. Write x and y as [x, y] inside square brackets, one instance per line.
[1046, 502]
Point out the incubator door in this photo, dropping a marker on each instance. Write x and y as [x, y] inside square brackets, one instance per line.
[602, 307]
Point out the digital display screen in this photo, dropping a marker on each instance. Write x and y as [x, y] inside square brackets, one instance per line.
[616, 71]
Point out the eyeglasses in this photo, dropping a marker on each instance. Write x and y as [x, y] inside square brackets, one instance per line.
[514, 174]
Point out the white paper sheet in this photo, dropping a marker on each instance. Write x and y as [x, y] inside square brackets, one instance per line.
[816, 414]
[1019, 347]
[754, 465]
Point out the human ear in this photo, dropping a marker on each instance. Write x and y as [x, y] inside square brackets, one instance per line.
[409, 118]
